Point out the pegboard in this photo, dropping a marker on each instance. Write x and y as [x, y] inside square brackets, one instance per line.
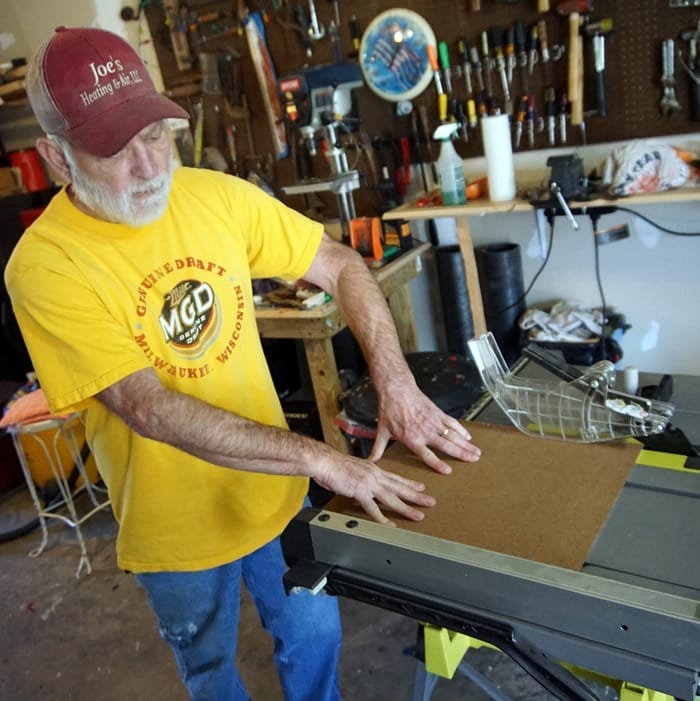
[633, 66]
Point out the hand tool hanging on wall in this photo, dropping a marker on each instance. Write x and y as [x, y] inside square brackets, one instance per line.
[545, 56]
[316, 29]
[198, 132]
[575, 73]
[230, 133]
[488, 63]
[691, 65]
[562, 115]
[355, 36]
[462, 120]
[520, 114]
[334, 34]
[478, 70]
[267, 78]
[442, 96]
[444, 54]
[304, 23]
[597, 32]
[521, 54]
[178, 37]
[334, 39]
[533, 47]
[427, 140]
[550, 110]
[496, 34]
[510, 54]
[669, 101]
[531, 118]
[420, 156]
[336, 12]
[463, 51]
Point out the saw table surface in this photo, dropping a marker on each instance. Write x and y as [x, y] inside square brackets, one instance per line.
[630, 609]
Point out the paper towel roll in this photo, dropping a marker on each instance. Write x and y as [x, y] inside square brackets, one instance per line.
[495, 132]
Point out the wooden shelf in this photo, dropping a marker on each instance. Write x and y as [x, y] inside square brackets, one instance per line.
[481, 207]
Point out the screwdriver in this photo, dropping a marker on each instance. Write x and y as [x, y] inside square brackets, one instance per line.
[497, 43]
[544, 51]
[550, 108]
[461, 115]
[442, 97]
[471, 113]
[563, 104]
[355, 35]
[531, 119]
[520, 119]
[532, 49]
[445, 64]
[463, 51]
[476, 63]
[521, 53]
[488, 62]
[510, 53]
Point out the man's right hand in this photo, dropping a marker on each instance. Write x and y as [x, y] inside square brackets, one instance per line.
[371, 486]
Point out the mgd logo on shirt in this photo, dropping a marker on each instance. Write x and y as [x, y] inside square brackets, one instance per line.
[187, 313]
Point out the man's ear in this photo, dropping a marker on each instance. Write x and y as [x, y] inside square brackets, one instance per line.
[53, 154]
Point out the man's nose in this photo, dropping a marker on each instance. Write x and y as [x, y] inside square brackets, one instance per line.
[144, 163]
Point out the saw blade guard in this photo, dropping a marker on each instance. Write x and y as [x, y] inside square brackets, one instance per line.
[585, 410]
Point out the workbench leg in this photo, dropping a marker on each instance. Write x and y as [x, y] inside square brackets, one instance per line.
[326, 383]
[476, 304]
[401, 306]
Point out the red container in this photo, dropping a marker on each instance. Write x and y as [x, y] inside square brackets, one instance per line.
[29, 163]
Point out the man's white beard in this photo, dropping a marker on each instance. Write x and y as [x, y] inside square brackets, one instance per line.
[121, 207]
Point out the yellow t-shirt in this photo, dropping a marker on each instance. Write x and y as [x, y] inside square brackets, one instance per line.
[97, 301]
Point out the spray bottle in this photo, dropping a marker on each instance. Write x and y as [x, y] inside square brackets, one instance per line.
[450, 166]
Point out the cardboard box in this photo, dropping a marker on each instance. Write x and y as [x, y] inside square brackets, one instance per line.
[11, 182]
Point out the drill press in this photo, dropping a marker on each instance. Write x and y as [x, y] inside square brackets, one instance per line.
[318, 101]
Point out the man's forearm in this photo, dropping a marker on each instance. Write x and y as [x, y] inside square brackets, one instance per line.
[367, 313]
[208, 432]
[233, 441]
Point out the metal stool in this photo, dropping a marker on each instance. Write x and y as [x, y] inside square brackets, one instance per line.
[51, 435]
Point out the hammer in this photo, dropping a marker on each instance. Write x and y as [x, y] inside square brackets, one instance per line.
[574, 9]
[598, 31]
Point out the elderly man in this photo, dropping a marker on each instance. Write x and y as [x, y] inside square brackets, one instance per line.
[133, 293]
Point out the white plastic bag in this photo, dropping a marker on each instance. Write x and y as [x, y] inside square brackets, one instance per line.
[644, 166]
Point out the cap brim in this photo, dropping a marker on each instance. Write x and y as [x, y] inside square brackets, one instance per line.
[108, 133]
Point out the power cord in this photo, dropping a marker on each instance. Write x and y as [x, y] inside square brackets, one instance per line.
[550, 218]
[594, 216]
[654, 224]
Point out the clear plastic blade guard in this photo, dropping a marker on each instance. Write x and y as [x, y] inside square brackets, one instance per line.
[585, 410]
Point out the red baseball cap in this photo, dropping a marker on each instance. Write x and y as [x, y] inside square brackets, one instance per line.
[90, 87]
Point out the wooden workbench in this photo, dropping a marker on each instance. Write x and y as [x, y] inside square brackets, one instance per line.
[316, 328]
[481, 207]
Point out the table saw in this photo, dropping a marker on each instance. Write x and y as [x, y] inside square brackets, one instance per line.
[630, 611]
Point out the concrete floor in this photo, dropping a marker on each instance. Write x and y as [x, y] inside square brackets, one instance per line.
[95, 638]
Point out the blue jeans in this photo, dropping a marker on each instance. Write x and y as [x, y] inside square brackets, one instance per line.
[198, 616]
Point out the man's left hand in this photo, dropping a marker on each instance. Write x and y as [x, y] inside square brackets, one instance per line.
[409, 416]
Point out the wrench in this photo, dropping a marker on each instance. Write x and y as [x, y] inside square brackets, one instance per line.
[316, 29]
[669, 101]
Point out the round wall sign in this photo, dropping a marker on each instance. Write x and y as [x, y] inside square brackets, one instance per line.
[393, 54]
